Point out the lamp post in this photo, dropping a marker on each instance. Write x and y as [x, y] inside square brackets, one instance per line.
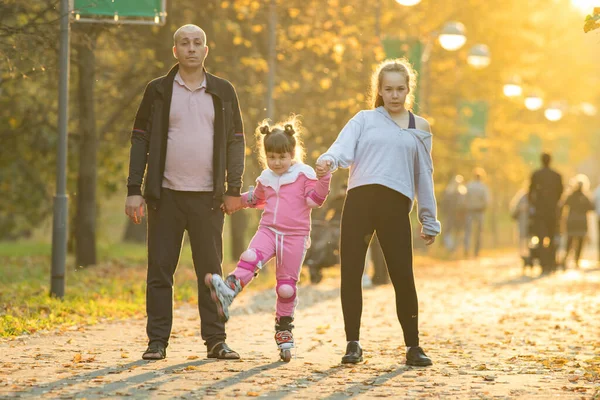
[479, 56]
[554, 112]
[589, 109]
[408, 2]
[453, 36]
[61, 210]
[533, 102]
[513, 87]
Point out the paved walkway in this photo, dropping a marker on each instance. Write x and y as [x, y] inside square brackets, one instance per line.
[491, 333]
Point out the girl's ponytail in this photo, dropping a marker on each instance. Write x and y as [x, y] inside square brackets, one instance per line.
[289, 129]
[265, 130]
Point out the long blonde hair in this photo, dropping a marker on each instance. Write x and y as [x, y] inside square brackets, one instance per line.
[282, 137]
[401, 65]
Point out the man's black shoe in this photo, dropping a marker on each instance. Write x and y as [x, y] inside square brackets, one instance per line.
[415, 356]
[353, 353]
[155, 351]
[222, 352]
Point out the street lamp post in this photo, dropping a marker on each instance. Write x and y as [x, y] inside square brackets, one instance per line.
[408, 2]
[60, 218]
[453, 36]
[533, 102]
[479, 56]
[513, 87]
[554, 112]
[589, 109]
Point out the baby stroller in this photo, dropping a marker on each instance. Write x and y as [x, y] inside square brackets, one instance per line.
[540, 250]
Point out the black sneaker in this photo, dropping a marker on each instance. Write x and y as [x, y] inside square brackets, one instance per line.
[353, 353]
[415, 356]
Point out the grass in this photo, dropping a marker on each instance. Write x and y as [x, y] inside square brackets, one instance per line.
[112, 290]
[115, 288]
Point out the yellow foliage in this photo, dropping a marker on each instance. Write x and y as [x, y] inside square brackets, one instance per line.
[325, 83]
[293, 12]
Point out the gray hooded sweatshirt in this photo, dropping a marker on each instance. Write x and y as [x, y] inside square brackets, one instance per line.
[378, 151]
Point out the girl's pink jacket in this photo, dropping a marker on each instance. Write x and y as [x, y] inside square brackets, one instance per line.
[287, 199]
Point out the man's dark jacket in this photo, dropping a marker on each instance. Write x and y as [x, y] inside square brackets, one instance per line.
[150, 132]
[545, 191]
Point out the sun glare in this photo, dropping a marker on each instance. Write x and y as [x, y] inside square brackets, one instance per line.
[585, 6]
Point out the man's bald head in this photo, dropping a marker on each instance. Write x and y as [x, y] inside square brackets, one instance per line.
[189, 29]
[190, 46]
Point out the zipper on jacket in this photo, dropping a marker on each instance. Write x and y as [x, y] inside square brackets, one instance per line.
[277, 201]
[212, 208]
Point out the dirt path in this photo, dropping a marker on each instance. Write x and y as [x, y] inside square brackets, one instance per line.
[490, 332]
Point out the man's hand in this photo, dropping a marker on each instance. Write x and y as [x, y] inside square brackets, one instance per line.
[323, 168]
[231, 204]
[429, 239]
[134, 208]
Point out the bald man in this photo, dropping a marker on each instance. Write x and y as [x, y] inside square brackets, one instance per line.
[187, 149]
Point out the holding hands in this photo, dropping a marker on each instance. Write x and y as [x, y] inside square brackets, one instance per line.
[323, 168]
[231, 204]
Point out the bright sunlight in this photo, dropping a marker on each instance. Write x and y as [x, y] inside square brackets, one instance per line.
[585, 6]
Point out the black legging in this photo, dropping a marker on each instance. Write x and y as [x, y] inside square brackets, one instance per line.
[369, 209]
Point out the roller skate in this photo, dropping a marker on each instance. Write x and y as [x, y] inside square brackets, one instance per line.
[284, 337]
[223, 292]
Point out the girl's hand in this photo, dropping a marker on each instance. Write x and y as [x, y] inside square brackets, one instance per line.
[323, 168]
[428, 239]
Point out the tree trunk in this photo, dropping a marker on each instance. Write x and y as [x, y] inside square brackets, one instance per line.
[85, 221]
[135, 233]
[239, 222]
[380, 273]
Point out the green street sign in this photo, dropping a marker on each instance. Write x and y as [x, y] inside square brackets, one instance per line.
[472, 117]
[472, 120]
[532, 149]
[392, 46]
[561, 150]
[120, 11]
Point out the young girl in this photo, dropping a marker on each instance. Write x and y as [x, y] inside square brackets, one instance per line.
[388, 150]
[286, 190]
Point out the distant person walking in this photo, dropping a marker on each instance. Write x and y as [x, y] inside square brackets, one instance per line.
[452, 207]
[477, 201]
[597, 209]
[578, 204]
[545, 191]
[519, 211]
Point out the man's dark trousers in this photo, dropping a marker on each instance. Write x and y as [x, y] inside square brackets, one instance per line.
[179, 211]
